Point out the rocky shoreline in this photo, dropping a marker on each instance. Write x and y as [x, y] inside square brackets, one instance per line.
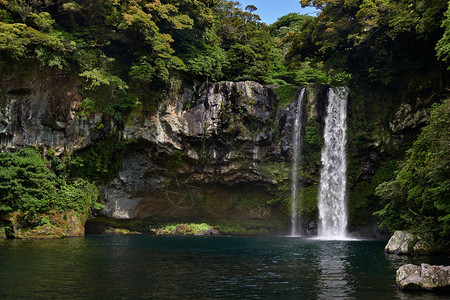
[414, 277]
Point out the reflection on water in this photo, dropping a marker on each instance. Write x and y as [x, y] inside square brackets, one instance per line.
[136, 267]
[332, 263]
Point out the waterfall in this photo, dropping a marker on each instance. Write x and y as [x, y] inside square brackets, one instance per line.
[332, 206]
[296, 151]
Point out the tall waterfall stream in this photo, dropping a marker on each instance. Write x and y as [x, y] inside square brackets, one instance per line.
[331, 202]
[296, 152]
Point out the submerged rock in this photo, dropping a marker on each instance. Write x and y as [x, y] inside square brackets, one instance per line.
[427, 277]
[403, 242]
[120, 231]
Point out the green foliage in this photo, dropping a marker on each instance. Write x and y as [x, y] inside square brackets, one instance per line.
[285, 94]
[281, 71]
[277, 171]
[121, 106]
[87, 107]
[240, 228]
[361, 200]
[374, 40]
[101, 161]
[308, 74]
[17, 39]
[417, 199]
[137, 48]
[208, 63]
[96, 78]
[250, 227]
[312, 148]
[43, 221]
[28, 184]
[288, 24]
[25, 181]
[188, 228]
[308, 207]
[443, 45]
[245, 40]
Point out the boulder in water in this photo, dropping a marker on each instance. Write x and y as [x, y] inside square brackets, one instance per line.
[403, 242]
[425, 276]
[408, 277]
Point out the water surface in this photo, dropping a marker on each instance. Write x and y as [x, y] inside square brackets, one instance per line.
[154, 267]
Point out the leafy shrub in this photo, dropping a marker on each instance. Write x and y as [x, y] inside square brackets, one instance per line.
[28, 184]
[191, 228]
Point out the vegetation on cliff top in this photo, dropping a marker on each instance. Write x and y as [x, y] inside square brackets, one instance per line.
[376, 40]
[133, 47]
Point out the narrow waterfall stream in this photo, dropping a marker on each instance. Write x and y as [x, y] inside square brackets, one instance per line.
[296, 152]
[332, 206]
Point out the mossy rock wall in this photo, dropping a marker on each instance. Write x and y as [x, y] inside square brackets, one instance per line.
[45, 226]
[223, 136]
[383, 122]
[238, 135]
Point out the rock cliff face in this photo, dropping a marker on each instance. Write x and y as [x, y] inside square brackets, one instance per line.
[216, 152]
[202, 154]
[39, 109]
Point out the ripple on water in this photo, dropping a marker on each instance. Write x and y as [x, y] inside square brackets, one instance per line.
[135, 267]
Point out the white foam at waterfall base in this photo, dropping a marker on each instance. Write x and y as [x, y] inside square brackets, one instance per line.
[331, 202]
[296, 151]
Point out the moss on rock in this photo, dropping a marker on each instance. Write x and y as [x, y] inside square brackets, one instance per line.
[45, 226]
[362, 202]
[285, 94]
[183, 229]
[309, 204]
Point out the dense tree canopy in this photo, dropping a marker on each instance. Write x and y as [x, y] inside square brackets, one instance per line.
[140, 45]
[377, 40]
[443, 46]
[130, 48]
